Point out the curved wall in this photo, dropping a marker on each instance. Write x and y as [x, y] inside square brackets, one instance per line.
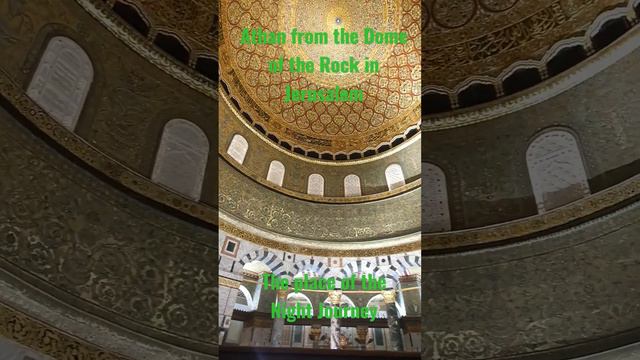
[559, 296]
[78, 239]
[479, 51]
[129, 100]
[252, 203]
[298, 168]
[485, 163]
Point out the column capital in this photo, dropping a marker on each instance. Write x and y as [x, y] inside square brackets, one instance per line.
[389, 296]
[335, 296]
[343, 341]
[315, 332]
[362, 331]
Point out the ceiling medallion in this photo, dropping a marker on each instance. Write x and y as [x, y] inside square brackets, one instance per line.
[391, 104]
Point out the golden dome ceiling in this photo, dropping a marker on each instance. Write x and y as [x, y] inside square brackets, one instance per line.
[391, 106]
[465, 42]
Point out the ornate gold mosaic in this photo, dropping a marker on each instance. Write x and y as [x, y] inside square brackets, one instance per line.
[193, 21]
[472, 38]
[46, 339]
[391, 104]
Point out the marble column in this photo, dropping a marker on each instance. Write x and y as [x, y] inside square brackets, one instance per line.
[410, 297]
[278, 323]
[251, 281]
[410, 292]
[334, 297]
[393, 320]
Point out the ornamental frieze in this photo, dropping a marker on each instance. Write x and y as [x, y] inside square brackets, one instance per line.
[472, 38]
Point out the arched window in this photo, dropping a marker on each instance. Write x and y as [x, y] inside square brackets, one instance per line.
[352, 186]
[132, 16]
[182, 158]
[62, 80]
[435, 202]
[556, 169]
[172, 46]
[394, 176]
[276, 173]
[315, 186]
[238, 148]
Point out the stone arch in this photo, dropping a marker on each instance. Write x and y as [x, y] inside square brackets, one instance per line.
[357, 267]
[378, 301]
[391, 275]
[344, 299]
[247, 295]
[404, 263]
[318, 268]
[270, 259]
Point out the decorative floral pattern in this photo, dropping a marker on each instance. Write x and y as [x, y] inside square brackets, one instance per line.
[558, 292]
[464, 40]
[93, 243]
[47, 340]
